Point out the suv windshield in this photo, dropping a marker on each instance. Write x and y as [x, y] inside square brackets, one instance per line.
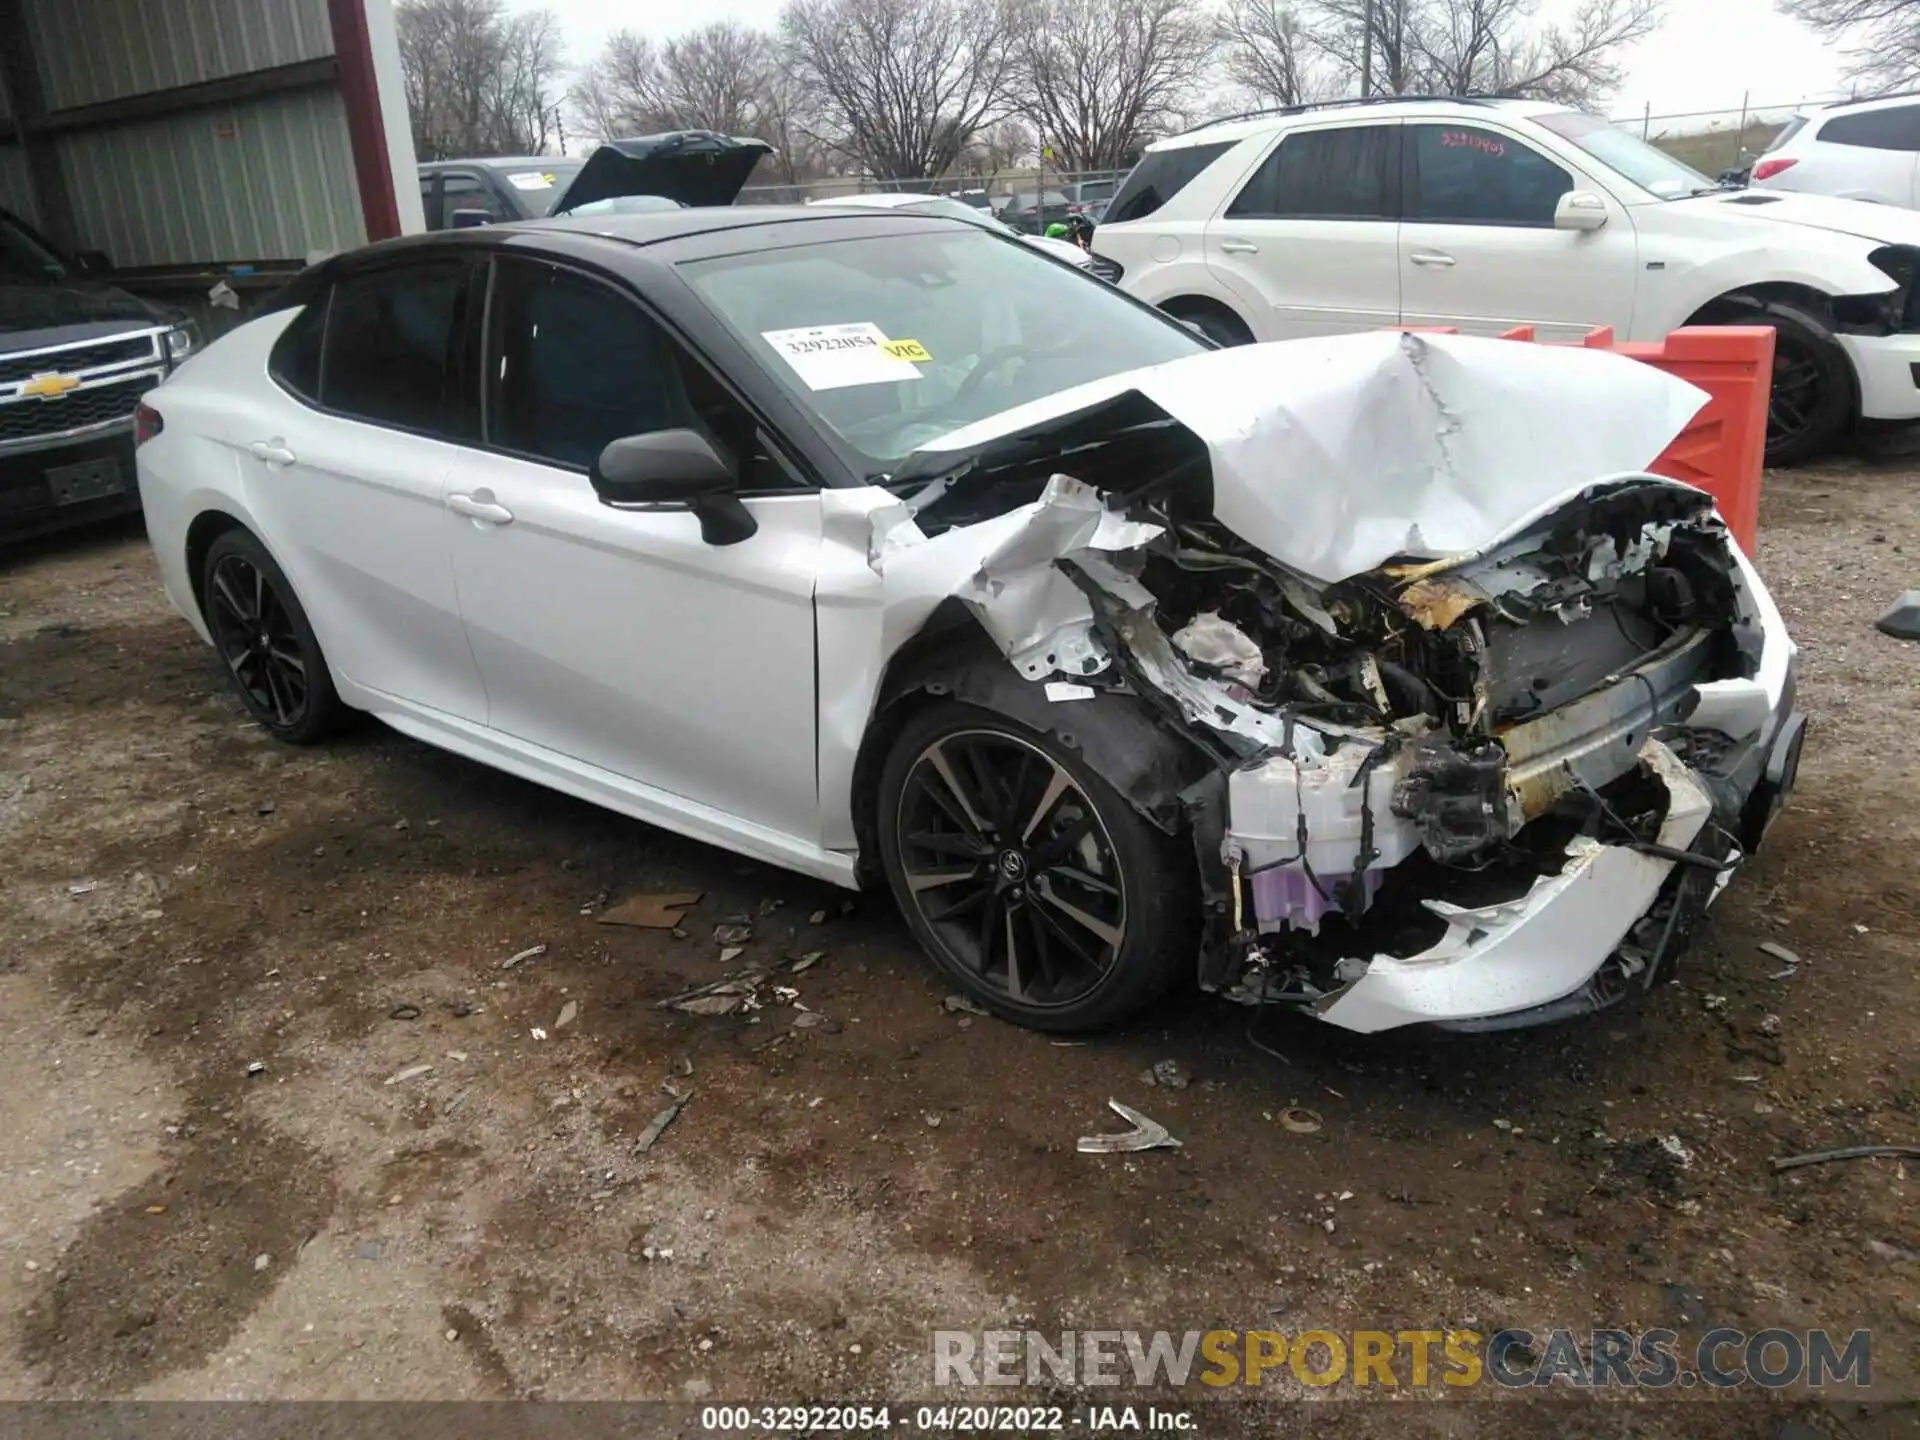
[1652, 170]
[23, 258]
[895, 340]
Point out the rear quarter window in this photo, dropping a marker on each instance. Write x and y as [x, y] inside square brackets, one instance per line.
[1161, 175]
[295, 358]
[1895, 128]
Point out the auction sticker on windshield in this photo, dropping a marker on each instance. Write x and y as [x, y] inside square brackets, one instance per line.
[830, 357]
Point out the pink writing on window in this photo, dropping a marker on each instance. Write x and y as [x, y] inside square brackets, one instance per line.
[1470, 140]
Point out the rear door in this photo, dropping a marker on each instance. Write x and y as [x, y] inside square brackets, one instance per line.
[1478, 247]
[345, 457]
[1310, 244]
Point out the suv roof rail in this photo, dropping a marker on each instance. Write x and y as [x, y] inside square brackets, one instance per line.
[1306, 106]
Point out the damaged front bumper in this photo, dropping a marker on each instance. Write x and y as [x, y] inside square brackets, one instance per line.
[1464, 736]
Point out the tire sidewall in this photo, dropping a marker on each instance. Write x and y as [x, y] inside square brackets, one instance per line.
[1835, 411]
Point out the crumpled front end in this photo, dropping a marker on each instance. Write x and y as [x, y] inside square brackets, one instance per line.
[1469, 733]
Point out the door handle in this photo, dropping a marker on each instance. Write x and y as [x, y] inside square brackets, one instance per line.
[1431, 257]
[274, 451]
[1239, 247]
[481, 512]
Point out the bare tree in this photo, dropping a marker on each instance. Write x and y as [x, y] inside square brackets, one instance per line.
[478, 81]
[1881, 38]
[901, 86]
[622, 90]
[1099, 75]
[1266, 51]
[1480, 47]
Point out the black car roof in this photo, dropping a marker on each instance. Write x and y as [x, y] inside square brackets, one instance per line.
[504, 162]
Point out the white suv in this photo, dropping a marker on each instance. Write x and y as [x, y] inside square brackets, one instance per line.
[1485, 214]
[1863, 150]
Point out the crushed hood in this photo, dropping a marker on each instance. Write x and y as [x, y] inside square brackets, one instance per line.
[695, 167]
[1889, 224]
[1336, 455]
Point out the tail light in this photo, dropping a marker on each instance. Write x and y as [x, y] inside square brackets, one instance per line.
[1767, 169]
[146, 423]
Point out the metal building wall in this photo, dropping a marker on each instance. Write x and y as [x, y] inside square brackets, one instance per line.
[95, 50]
[16, 193]
[268, 178]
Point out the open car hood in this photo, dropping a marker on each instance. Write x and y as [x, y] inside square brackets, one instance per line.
[1336, 455]
[695, 167]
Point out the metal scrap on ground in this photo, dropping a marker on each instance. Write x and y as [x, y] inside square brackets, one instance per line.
[657, 1126]
[1851, 1152]
[1145, 1135]
[651, 912]
[532, 952]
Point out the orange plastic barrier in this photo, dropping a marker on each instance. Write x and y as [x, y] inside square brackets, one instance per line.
[1723, 448]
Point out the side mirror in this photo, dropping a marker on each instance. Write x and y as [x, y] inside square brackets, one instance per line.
[469, 219]
[92, 262]
[675, 467]
[1579, 210]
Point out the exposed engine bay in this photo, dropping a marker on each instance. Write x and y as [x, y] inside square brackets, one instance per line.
[1489, 786]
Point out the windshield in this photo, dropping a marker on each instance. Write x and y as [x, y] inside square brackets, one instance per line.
[895, 340]
[1651, 169]
[23, 259]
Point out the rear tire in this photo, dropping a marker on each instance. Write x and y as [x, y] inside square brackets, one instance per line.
[1031, 883]
[266, 643]
[1218, 325]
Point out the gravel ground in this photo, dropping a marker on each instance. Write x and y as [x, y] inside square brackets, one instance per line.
[181, 899]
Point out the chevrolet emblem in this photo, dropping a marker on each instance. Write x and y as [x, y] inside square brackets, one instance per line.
[50, 387]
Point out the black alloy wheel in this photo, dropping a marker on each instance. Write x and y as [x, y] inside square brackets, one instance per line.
[264, 639]
[1814, 400]
[1029, 881]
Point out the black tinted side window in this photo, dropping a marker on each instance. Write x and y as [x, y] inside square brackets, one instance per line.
[1160, 175]
[295, 361]
[1342, 174]
[430, 204]
[469, 192]
[1894, 129]
[1460, 175]
[393, 347]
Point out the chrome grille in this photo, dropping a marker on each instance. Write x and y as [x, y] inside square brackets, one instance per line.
[117, 350]
[30, 419]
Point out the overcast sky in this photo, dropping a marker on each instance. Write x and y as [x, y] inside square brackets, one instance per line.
[1707, 55]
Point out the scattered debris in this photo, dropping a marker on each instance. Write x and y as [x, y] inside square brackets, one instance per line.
[1145, 1135]
[82, 887]
[404, 1012]
[657, 1252]
[1851, 1152]
[538, 1033]
[807, 961]
[266, 807]
[1770, 1024]
[1780, 953]
[710, 1005]
[402, 824]
[734, 932]
[1713, 1002]
[1167, 1074]
[459, 1055]
[1887, 1250]
[731, 954]
[1501, 1123]
[807, 1019]
[1300, 1120]
[261, 1262]
[657, 1127]
[958, 1004]
[532, 952]
[651, 912]
[407, 1074]
[156, 1209]
[371, 1250]
[1902, 618]
[453, 1335]
[569, 1012]
[933, 1123]
[1682, 1156]
[257, 1067]
[818, 917]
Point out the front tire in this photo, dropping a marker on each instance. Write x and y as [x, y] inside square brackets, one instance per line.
[1814, 401]
[1031, 883]
[263, 637]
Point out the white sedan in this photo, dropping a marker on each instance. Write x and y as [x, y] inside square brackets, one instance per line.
[1366, 676]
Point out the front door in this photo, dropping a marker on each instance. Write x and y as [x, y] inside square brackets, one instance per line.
[1478, 248]
[619, 637]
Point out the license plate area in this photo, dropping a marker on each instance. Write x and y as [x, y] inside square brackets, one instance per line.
[88, 480]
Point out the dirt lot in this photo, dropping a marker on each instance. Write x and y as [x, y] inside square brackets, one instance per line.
[176, 1229]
